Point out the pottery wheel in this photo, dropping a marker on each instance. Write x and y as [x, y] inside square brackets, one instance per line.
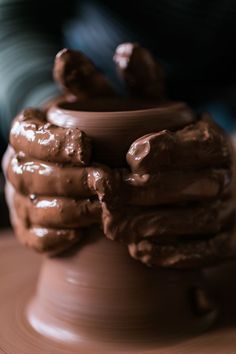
[18, 277]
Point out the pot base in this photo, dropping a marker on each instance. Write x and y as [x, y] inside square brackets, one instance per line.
[18, 277]
[102, 295]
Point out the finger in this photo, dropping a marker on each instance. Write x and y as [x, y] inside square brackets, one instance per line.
[199, 145]
[32, 135]
[77, 74]
[57, 212]
[199, 253]
[142, 74]
[165, 223]
[44, 178]
[8, 155]
[46, 240]
[175, 187]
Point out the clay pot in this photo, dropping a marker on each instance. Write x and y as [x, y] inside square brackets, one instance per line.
[113, 124]
[101, 295]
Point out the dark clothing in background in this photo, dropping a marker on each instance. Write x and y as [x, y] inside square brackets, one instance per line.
[194, 39]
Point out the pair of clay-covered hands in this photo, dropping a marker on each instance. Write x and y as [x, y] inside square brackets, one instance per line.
[171, 204]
